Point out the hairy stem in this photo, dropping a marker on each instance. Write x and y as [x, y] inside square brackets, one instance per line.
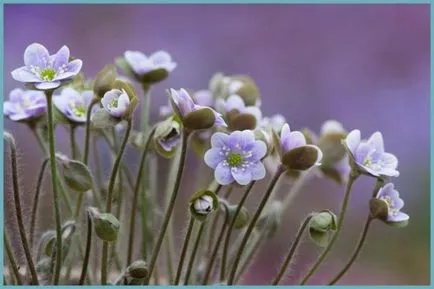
[137, 187]
[170, 208]
[87, 252]
[184, 250]
[252, 224]
[114, 173]
[355, 253]
[18, 211]
[11, 257]
[341, 218]
[87, 131]
[292, 250]
[74, 148]
[230, 230]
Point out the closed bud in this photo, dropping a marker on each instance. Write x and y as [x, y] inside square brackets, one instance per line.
[332, 148]
[321, 226]
[167, 137]
[202, 204]
[104, 80]
[138, 269]
[131, 92]
[248, 90]
[106, 226]
[199, 119]
[241, 121]
[76, 174]
[378, 209]
[301, 158]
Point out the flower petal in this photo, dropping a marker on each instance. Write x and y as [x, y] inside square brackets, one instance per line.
[259, 150]
[257, 171]
[213, 157]
[47, 85]
[16, 95]
[294, 140]
[398, 217]
[23, 74]
[353, 140]
[241, 176]
[255, 111]
[223, 175]
[234, 102]
[376, 140]
[72, 69]
[36, 55]
[160, 57]
[219, 140]
[61, 58]
[389, 161]
[332, 126]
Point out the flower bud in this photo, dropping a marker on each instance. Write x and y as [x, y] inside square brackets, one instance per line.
[202, 204]
[199, 119]
[106, 225]
[243, 216]
[166, 137]
[76, 174]
[131, 92]
[138, 269]
[104, 80]
[301, 158]
[332, 148]
[378, 208]
[241, 121]
[320, 227]
[248, 90]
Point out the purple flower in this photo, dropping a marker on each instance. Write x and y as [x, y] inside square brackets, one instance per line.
[185, 105]
[116, 102]
[290, 140]
[26, 104]
[236, 157]
[201, 97]
[274, 123]
[369, 154]
[141, 64]
[236, 103]
[46, 71]
[394, 203]
[73, 104]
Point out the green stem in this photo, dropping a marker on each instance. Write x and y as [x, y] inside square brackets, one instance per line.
[292, 250]
[216, 248]
[17, 200]
[341, 218]
[53, 166]
[170, 208]
[34, 213]
[137, 187]
[97, 163]
[12, 259]
[114, 173]
[355, 253]
[72, 141]
[87, 131]
[184, 250]
[87, 252]
[259, 239]
[194, 252]
[230, 230]
[252, 223]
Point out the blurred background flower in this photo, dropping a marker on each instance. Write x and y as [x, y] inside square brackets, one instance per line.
[366, 66]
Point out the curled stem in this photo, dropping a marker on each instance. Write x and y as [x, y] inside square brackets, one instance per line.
[16, 193]
[87, 252]
[114, 173]
[137, 187]
[184, 250]
[355, 253]
[12, 259]
[252, 224]
[335, 236]
[230, 229]
[292, 250]
[170, 208]
[34, 213]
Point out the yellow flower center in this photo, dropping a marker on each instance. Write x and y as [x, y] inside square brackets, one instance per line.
[234, 160]
[48, 74]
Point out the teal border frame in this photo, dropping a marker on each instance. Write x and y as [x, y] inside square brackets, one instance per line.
[3, 2]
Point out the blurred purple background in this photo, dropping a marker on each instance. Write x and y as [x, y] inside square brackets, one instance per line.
[364, 65]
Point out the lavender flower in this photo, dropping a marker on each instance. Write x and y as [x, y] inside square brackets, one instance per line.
[25, 104]
[46, 71]
[293, 141]
[116, 102]
[369, 155]
[73, 104]
[394, 203]
[201, 98]
[185, 105]
[273, 123]
[236, 157]
[236, 103]
[141, 64]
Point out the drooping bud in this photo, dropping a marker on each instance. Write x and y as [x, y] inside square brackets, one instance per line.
[301, 158]
[167, 137]
[321, 227]
[202, 118]
[76, 174]
[135, 274]
[106, 225]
